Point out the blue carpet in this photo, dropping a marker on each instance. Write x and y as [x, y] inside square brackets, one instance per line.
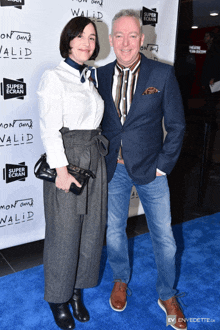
[21, 294]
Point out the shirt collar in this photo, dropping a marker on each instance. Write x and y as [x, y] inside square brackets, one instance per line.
[85, 71]
[75, 65]
[133, 68]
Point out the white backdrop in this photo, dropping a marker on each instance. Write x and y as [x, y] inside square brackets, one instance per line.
[29, 44]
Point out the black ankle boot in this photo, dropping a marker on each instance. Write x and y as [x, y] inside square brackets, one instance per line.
[62, 316]
[79, 311]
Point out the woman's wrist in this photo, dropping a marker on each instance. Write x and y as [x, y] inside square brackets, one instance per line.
[62, 171]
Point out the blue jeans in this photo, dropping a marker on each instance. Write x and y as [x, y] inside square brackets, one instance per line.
[155, 199]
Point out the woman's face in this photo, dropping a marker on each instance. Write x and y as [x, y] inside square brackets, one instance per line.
[83, 46]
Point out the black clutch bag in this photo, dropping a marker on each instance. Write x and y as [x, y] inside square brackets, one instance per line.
[43, 171]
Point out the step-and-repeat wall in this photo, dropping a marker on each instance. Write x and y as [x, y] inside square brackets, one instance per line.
[29, 44]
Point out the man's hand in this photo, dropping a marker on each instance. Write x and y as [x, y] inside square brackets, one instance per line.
[158, 174]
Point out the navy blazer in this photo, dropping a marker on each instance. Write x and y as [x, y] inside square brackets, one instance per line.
[142, 133]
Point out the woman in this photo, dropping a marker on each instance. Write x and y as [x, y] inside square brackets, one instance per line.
[70, 114]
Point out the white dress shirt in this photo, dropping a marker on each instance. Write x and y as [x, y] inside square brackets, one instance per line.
[64, 101]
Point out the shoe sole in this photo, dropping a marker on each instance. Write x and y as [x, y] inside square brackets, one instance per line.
[118, 310]
[164, 309]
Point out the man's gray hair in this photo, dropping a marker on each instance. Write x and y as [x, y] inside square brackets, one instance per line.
[128, 13]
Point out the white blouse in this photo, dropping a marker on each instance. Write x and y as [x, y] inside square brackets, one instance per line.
[66, 102]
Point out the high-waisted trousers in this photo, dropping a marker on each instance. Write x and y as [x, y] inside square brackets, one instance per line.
[75, 225]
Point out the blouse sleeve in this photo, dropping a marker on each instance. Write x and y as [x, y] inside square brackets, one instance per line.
[51, 118]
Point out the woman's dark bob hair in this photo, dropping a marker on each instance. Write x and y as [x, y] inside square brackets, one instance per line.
[72, 29]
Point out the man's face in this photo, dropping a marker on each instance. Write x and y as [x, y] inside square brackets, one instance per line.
[126, 40]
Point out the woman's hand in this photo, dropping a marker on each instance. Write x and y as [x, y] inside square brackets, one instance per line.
[64, 179]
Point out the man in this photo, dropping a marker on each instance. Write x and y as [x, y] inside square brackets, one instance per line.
[138, 93]
[211, 74]
[209, 65]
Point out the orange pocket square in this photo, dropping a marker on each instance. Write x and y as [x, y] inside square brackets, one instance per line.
[150, 90]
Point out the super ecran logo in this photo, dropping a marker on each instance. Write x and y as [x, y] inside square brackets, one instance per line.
[11, 89]
[149, 16]
[15, 172]
[15, 3]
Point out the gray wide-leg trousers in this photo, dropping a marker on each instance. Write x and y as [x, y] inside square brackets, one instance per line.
[75, 225]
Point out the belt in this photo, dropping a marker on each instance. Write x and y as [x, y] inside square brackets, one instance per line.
[90, 160]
